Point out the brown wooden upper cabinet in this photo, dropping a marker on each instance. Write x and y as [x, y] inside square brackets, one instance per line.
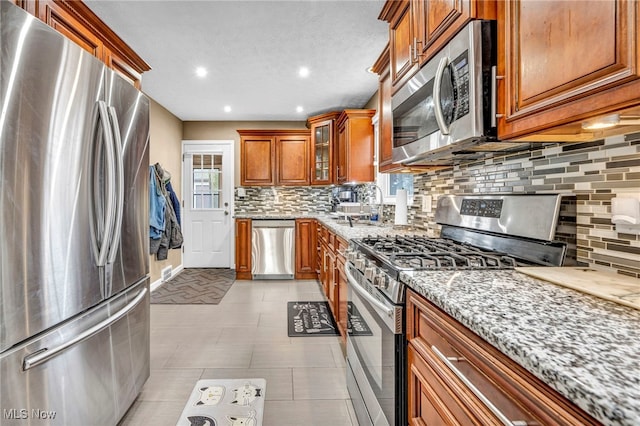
[565, 62]
[385, 119]
[274, 157]
[78, 23]
[419, 28]
[321, 150]
[354, 153]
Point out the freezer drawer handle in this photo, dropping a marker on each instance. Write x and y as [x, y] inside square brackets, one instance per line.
[46, 354]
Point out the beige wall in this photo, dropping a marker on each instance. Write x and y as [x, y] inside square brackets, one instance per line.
[166, 149]
[227, 130]
[372, 103]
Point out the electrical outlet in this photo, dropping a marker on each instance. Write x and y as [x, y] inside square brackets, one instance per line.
[426, 204]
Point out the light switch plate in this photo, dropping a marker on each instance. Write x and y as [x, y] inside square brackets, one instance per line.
[426, 204]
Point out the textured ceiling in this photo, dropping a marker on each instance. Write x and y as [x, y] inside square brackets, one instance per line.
[252, 50]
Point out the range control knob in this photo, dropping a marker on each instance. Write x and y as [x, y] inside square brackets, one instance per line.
[370, 273]
[359, 263]
[382, 281]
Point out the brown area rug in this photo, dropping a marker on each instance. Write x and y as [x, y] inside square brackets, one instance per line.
[195, 286]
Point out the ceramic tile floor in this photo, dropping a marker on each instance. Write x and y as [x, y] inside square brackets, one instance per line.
[245, 336]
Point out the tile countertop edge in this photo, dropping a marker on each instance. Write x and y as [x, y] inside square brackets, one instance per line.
[586, 348]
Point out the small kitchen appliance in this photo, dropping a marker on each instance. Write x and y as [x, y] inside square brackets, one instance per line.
[479, 232]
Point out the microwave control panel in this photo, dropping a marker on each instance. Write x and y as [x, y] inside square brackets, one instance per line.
[460, 75]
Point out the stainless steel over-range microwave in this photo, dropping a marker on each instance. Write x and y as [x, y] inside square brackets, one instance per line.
[447, 110]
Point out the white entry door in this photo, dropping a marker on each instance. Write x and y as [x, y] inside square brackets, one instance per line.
[208, 225]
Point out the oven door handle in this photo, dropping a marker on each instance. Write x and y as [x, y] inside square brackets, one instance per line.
[370, 299]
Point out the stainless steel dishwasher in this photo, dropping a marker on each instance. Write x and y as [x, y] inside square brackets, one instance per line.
[273, 249]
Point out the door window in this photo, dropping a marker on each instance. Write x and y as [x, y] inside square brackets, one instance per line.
[206, 180]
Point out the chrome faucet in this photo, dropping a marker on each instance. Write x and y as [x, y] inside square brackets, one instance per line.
[367, 187]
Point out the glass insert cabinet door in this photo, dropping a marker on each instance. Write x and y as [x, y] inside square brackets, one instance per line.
[321, 151]
[206, 181]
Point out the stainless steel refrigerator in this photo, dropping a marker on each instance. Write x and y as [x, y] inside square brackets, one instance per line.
[74, 286]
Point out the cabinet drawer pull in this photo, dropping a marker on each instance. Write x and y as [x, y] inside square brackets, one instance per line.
[448, 361]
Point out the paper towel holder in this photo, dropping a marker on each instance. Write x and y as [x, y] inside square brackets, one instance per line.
[625, 213]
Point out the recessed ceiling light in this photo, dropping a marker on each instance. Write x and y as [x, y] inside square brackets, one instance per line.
[370, 70]
[227, 108]
[299, 109]
[303, 72]
[201, 72]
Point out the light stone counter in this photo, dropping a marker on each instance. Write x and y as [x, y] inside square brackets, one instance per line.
[339, 227]
[586, 348]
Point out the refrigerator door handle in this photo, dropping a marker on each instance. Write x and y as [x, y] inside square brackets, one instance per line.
[119, 182]
[46, 354]
[102, 220]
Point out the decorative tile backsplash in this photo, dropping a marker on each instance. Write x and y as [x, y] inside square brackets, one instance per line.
[284, 199]
[594, 171]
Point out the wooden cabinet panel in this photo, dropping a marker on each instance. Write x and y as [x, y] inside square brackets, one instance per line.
[306, 249]
[341, 155]
[443, 351]
[341, 286]
[439, 15]
[430, 401]
[322, 148]
[355, 146]
[257, 157]
[566, 61]
[243, 249]
[401, 37]
[123, 68]
[418, 29]
[78, 23]
[68, 25]
[292, 153]
[274, 157]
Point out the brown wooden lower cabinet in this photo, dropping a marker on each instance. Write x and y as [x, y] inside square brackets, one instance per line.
[456, 378]
[306, 249]
[243, 249]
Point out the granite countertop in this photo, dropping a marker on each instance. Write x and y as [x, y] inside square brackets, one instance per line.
[360, 229]
[586, 348]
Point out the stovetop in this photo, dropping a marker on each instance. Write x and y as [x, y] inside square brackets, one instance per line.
[379, 260]
[419, 253]
[479, 232]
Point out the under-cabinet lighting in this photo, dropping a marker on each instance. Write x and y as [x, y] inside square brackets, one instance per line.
[611, 121]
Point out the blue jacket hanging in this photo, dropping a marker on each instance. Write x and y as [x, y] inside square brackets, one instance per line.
[157, 205]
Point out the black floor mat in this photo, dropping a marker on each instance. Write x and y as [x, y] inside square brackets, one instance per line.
[310, 319]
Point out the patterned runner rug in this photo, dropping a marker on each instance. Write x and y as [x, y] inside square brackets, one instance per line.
[195, 286]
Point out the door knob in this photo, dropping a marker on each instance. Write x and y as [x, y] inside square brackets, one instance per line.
[226, 213]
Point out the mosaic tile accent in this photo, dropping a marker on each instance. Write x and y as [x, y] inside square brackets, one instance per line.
[284, 200]
[594, 171]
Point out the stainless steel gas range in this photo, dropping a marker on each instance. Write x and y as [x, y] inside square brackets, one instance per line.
[478, 232]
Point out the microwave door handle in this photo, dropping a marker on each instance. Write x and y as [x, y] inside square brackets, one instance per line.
[444, 128]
